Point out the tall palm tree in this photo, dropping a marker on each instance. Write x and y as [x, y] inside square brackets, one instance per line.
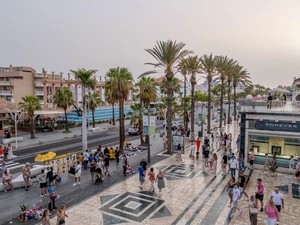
[94, 102]
[167, 55]
[182, 68]
[121, 82]
[148, 93]
[240, 76]
[208, 67]
[64, 99]
[30, 104]
[223, 65]
[85, 78]
[193, 67]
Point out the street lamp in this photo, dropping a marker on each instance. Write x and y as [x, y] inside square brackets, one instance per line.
[148, 111]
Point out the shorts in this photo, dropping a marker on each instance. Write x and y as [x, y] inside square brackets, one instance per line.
[230, 190]
[106, 167]
[278, 207]
[197, 153]
[241, 189]
[77, 174]
[206, 159]
[259, 197]
[85, 162]
[224, 165]
[26, 178]
[43, 185]
[235, 203]
[142, 179]
[251, 162]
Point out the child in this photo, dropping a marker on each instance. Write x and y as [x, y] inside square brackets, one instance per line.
[151, 175]
[291, 164]
[210, 160]
[267, 164]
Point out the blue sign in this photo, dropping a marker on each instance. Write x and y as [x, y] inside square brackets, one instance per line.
[145, 130]
[279, 126]
[200, 116]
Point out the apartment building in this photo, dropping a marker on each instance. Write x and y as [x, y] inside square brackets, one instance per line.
[19, 81]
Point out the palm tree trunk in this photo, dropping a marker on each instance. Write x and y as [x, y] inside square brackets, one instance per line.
[66, 119]
[193, 107]
[93, 115]
[169, 114]
[185, 121]
[32, 128]
[221, 103]
[141, 129]
[234, 101]
[229, 101]
[113, 114]
[208, 106]
[121, 124]
[84, 121]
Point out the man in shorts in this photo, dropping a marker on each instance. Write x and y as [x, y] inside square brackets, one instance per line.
[278, 201]
[77, 174]
[251, 158]
[26, 174]
[106, 165]
[224, 163]
[235, 200]
[206, 155]
[141, 176]
[259, 194]
[242, 184]
[85, 159]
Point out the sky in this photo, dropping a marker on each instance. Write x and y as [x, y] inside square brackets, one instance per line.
[263, 36]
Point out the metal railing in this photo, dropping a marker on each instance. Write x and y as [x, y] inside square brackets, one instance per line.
[39, 84]
[39, 92]
[273, 106]
[4, 82]
[5, 93]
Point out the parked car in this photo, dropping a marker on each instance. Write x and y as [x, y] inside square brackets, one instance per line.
[175, 125]
[133, 130]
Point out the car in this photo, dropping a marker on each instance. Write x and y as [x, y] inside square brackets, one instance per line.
[175, 125]
[133, 130]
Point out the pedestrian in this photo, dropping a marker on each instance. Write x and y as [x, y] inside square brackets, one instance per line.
[91, 157]
[251, 158]
[106, 165]
[106, 151]
[151, 175]
[206, 156]
[43, 183]
[291, 164]
[179, 152]
[231, 184]
[269, 101]
[117, 155]
[297, 172]
[273, 167]
[212, 141]
[238, 142]
[259, 194]
[80, 158]
[125, 164]
[242, 181]
[93, 169]
[77, 174]
[233, 166]
[160, 182]
[267, 163]
[272, 212]
[61, 215]
[5, 153]
[50, 176]
[165, 140]
[26, 174]
[141, 176]
[229, 157]
[241, 162]
[85, 159]
[253, 210]
[198, 142]
[235, 200]
[224, 163]
[144, 165]
[192, 153]
[210, 160]
[46, 217]
[52, 196]
[3, 168]
[278, 201]
[215, 163]
[7, 181]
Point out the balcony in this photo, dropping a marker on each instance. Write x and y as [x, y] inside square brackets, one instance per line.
[41, 102]
[4, 83]
[5, 93]
[39, 75]
[39, 84]
[39, 93]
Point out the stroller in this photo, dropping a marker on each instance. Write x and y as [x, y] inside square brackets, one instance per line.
[98, 176]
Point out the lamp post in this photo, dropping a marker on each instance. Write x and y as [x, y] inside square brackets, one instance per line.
[149, 155]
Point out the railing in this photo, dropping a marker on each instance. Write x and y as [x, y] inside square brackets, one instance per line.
[270, 106]
[41, 102]
[4, 82]
[39, 75]
[39, 84]
[39, 92]
[5, 93]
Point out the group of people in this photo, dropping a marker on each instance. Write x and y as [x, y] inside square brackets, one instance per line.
[6, 152]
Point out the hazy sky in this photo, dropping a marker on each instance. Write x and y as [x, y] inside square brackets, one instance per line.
[263, 35]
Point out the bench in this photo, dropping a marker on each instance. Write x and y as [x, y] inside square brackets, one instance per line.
[11, 140]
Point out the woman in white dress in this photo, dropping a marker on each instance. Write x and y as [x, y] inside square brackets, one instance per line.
[10, 155]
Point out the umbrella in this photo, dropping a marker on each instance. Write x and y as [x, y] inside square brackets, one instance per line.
[45, 156]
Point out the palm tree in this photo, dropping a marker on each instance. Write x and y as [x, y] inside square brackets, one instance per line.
[121, 82]
[30, 104]
[94, 102]
[85, 78]
[182, 68]
[208, 67]
[193, 67]
[223, 65]
[64, 99]
[240, 76]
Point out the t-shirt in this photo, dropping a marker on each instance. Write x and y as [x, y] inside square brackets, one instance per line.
[277, 197]
[141, 172]
[50, 176]
[236, 193]
[3, 168]
[78, 168]
[1, 151]
[271, 212]
[198, 143]
[229, 155]
[251, 155]
[243, 180]
[225, 159]
[144, 164]
[261, 187]
[85, 156]
[106, 161]
[233, 163]
[206, 153]
[42, 178]
[193, 148]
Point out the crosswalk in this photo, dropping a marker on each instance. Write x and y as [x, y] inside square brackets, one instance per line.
[13, 165]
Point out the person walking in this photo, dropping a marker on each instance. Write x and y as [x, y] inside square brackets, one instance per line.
[3, 168]
[52, 196]
[278, 201]
[231, 184]
[151, 175]
[267, 163]
[43, 183]
[144, 165]
[238, 142]
[253, 210]
[117, 155]
[233, 166]
[251, 158]
[125, 164]
[212, 141]
[215, 163]
[141, 176]
[160, 182]
[259, 194]
[50, 176]
[77, 174]
[242, 182]
[46, 217]
[93, 169]
[198, 143]
[85, 159]
[272, 212]
[61, 215]
[179, 152]
[206, 156]
[291, 164]
[26, 174]
[235, 200]
[106, 165]
[192, 153]
[224, 163]
[165, 140]
[10, 155]
[273, 166]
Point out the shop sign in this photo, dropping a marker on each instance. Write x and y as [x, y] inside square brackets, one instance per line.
[279, 126]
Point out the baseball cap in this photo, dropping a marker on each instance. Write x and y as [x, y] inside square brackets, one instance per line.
[27, 164]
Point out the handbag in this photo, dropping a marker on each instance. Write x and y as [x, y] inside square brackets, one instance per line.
[253, 210]
[53, 196]
[191, 156]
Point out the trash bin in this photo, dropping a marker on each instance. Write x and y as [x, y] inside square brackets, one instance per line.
[200, 134]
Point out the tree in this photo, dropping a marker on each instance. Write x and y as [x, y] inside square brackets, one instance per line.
[193, 67]
[208, 63]
[121, 82]
[183, 69]
[85, 78]
[64, 99]
[94, 101]
[30, 104]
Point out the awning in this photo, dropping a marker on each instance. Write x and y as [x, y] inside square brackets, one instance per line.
[47, 112]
